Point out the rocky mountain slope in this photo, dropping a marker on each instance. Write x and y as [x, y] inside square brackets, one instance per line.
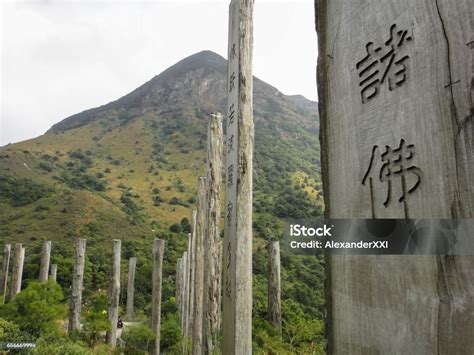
[134, 162]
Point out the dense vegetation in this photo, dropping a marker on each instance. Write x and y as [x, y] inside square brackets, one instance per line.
[38, 312]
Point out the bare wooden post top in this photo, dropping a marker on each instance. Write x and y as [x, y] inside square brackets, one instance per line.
[17, 271]
[132, 264]
[45, 260]
[158, 251]
[114, 294]
[77, 285]
[54, 272]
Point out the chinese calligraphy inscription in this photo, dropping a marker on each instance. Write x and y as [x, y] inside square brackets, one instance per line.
[396, 164]
[383, 65]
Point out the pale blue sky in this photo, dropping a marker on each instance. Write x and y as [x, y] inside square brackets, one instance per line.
[62, 57]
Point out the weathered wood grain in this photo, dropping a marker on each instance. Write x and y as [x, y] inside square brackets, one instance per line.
[213, 244]
[45, 260]
[274, 284]
[114, 294]
[77, 285]
[54, 272]
[5, 268]
[423, 105]
[199, 268]
[157, 278]
[237, 267]
[132, 266]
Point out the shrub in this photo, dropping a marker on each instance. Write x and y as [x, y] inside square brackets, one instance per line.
[170, 332]
[186, 225]
[37, 308]
[176, 228]
[21, 192]
[138, 339]
[46, 167]
[11, 332]
[95, 317]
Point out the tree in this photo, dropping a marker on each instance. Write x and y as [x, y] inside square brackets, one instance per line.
[186, 225]
[37, 308]
[95, 317]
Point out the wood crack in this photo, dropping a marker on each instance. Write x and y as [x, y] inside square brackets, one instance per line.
[454, 120]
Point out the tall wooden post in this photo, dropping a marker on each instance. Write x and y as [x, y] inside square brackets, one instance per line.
[77, 285]
[237, 325]
[213, 245]
[158, 251]
[17, 272]
[132, 265]
[114, 294]
[54, 272]
[189, 284]
[45, 259]
[274, 284]
[397, 142]
[179, 286]
[192, 269]
[20, 271]
[199, 267]
[184, 285]
[5, 267]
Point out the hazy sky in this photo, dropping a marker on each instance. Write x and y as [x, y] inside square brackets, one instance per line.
[62, 57]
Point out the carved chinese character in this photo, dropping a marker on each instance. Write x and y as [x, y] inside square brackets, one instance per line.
[230, 144]
[230, 175]
[231, 114]
[230, 209]
[233, 52]
[396, 164]
[380, 66]
[232, 82]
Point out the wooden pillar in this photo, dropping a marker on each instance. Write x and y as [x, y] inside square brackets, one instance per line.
[114, 294]
[20, 272]
[45, 259]
[158, 251]
[199, 267]
[274, 284]
[179, 286]
[54, 272]
[190, 268]
[17, 272]
[237, 293]
[132, 265]
[77, 285]
[5, 267]
[184, 283]
[213, 245]
[397, 143]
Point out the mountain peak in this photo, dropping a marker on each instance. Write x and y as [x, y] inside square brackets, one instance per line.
[202, 60]
[197, 82]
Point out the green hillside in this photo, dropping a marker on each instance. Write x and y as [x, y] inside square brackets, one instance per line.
[128, 170]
